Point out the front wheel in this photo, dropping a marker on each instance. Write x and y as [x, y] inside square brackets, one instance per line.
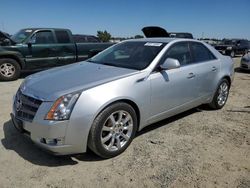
[113, 130]
[221, 95]
[9, 69]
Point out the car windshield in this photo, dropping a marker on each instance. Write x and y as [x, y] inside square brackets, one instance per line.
[21, 35]
[131, 54]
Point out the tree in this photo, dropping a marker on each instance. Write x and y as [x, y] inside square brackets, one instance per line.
[104, 36]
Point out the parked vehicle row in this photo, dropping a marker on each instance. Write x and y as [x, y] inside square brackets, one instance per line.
[101, 103]
[233, 47]
[42, 48]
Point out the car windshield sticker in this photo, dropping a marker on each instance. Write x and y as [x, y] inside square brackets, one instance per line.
[153, 44]
[28, 31]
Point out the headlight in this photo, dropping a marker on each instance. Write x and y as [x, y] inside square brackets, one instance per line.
[62, 107]
[229, 48]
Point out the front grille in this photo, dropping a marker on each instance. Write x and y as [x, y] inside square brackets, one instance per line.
[26, 106]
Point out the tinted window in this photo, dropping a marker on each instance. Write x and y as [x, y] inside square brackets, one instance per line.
[43, 37]
[201, 53]
[179, 51]
[62, 37]
[133, 55]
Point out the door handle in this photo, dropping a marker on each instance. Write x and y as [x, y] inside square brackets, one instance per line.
[191, 75]
[214, 69]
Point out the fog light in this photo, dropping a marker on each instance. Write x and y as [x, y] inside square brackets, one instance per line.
[52, 141]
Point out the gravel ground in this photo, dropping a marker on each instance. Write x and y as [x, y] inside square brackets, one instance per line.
[198, 148]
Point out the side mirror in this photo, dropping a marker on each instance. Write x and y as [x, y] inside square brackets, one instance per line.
[170, 63]
[31, 41]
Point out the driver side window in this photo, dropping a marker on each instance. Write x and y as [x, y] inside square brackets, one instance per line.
[43, 37]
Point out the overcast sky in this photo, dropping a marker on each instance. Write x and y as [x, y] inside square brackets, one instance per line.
[207, 18]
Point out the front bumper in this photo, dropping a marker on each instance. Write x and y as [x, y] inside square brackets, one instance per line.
[53, 136]
[245, 65]
[47, 136]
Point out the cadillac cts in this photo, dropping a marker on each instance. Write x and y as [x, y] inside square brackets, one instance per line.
[101, 103]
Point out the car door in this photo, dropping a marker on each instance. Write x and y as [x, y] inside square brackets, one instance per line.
[207, 69]
[176, 88]
[65, 48]
[41, 52]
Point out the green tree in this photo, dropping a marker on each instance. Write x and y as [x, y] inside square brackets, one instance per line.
[104, 36]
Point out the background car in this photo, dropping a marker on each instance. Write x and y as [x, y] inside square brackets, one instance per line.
[33, 49]
[233, 47]
[245, 61]
[85, 38]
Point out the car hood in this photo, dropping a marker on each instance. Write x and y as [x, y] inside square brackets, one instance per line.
[153, 31]
[4, 36]
[51, 84]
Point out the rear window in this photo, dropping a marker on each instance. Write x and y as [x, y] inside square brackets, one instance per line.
[62, 37]
[201, 53]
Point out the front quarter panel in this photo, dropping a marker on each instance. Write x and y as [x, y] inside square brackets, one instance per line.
[135, 88]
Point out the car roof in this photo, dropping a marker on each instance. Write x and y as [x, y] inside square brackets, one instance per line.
[43, 28]
[164, 40]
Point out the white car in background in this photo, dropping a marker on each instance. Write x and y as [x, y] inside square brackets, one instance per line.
[245, 61]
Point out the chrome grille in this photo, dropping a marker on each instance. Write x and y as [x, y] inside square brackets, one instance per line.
[26, 106]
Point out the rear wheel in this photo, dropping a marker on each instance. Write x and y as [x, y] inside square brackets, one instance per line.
[113, 130]
[9, 69]
[221, 95]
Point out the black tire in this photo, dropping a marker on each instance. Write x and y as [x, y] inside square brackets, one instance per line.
[95, 135]
[232, 54]
[215, 104]
[13, 71]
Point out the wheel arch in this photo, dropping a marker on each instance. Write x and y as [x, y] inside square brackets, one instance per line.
[228, 79]
[14, 57]
[128, 101]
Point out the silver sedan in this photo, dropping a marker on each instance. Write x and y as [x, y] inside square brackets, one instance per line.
[245, 61]
[101, 103]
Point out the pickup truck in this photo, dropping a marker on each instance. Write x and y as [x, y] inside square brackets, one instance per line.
[34, 49]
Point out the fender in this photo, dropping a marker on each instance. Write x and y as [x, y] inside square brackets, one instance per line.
[13, 55]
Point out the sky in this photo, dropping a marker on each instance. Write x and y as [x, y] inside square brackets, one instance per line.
[203, 18]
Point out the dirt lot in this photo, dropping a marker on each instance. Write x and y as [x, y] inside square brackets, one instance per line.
[199, 148]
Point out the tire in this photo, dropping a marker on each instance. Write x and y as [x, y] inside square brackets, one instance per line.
[110, 137]
[221, 95]
[232, 54]
[9, 69]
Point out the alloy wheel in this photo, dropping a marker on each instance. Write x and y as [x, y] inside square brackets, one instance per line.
[7, 70]
[222, 94]
[117, 130]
